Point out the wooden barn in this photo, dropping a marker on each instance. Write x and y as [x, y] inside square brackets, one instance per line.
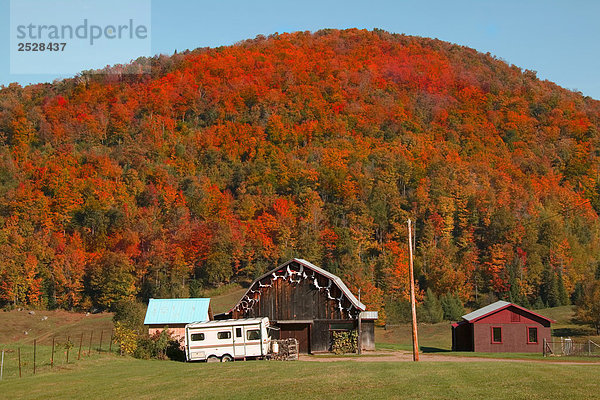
[307, 303]
[176, 314]
[501, 327]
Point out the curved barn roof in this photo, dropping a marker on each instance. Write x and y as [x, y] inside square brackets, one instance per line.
[334, 278]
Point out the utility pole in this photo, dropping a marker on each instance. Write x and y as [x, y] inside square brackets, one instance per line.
[412, 295]
[359, 338]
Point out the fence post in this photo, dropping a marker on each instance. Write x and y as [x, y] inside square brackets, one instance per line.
[90, 347]
[68, 347]
[589, 348]
[544, 349]
[19, 362]
[111, 340]
[100, 348]
[2, 365]
[34, 351]
[80, 342]
[52, 357]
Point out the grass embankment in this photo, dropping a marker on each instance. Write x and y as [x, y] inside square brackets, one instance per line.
[112, 377]
[23, 327]
[19, 330]
[224, 297]
[90, 332]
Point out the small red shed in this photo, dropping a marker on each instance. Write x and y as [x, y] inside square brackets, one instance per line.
[501, 327]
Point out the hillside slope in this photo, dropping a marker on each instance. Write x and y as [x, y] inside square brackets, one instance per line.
[224, 162]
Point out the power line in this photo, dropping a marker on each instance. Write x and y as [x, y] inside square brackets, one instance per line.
[557, 214]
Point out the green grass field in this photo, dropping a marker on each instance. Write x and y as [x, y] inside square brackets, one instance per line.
[112, 377]
[106, 375]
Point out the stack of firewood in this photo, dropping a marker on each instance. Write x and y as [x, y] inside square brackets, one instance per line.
[287, 351]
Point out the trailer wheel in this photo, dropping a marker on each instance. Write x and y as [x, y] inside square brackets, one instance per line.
[212, 359]
[226, 358]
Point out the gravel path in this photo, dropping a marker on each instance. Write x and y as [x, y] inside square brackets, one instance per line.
[399, 356]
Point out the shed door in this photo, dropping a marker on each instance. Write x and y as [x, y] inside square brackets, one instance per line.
[299, 331]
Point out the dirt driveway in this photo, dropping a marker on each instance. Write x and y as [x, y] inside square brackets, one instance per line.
[400, 356]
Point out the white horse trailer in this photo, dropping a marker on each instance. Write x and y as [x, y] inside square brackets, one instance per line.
[227, 340]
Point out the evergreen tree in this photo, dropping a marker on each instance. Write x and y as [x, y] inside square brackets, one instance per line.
[588, 310]
[452, 306]
[513, 292]
[523, 301]
[563, 297]
[431, 309]
[539, 303]
[549, 289]
[578, 293]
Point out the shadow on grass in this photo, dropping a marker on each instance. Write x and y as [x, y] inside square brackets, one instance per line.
[571, 331]
[426, 349]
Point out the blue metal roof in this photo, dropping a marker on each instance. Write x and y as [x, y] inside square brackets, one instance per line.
[176, 311]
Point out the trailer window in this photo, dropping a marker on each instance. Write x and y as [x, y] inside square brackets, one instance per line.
[196, 337]
[238, 332]
[253, 334]
[224, 335]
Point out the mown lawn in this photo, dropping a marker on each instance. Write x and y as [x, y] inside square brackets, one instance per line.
[107, 376]
[112, 377]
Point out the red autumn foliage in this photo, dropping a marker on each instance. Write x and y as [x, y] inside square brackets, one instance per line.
[222, 163]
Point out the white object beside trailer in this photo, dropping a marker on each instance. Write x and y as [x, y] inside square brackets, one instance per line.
[227, 340]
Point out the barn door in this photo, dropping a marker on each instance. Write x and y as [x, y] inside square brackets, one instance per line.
[301, 332]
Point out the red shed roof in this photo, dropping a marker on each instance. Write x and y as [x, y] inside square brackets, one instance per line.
[495, 307]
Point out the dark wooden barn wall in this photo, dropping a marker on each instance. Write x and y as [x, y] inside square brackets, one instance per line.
[302, 332]
[320, 336]
[302, 311]
[285, 301]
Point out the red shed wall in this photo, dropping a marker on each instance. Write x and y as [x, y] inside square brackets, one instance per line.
[514, 324]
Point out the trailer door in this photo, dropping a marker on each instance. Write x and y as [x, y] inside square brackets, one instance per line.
[239, 345]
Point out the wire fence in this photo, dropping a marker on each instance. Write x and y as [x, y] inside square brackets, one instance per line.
[19, 360]
[569, 347]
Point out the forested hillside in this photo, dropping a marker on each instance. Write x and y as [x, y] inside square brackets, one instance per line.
[224, 162]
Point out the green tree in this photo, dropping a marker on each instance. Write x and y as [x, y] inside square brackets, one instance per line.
[452, 306]
[563, 296]
[549, 290]
[588, 309]
[130, 314]
[431, 310]
[111, 280]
